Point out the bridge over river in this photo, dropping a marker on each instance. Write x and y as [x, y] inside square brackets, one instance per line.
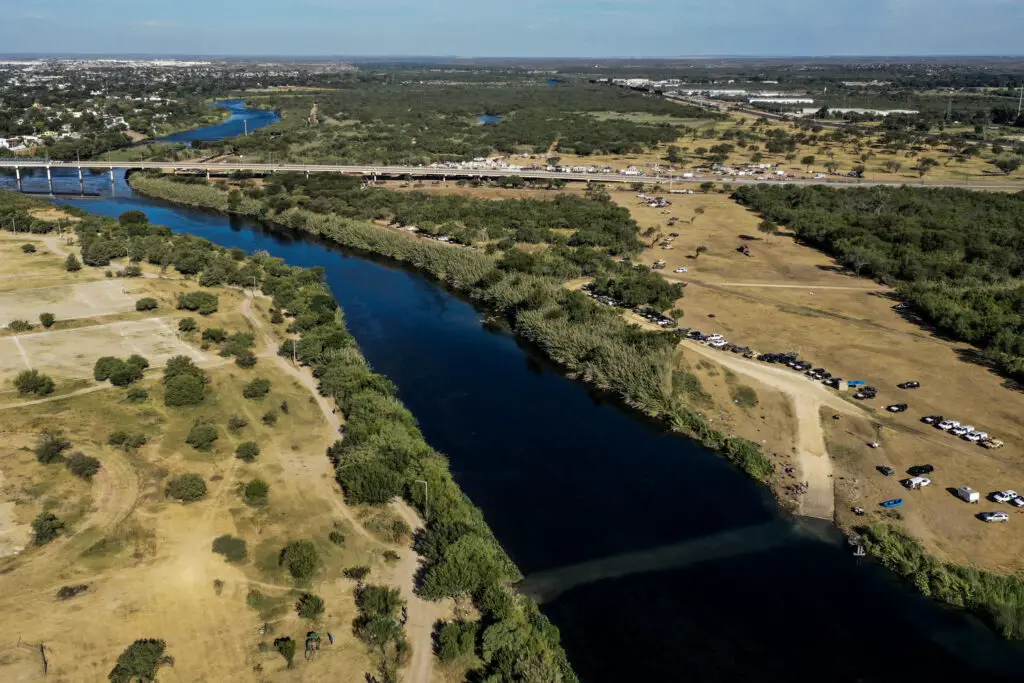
[210, 168]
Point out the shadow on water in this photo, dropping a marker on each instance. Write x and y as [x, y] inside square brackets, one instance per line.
[568, 479]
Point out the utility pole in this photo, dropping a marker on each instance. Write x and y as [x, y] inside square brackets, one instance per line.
[426, 498]
[1020, 101]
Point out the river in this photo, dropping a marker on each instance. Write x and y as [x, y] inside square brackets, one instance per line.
[241, 119]
[565, 476]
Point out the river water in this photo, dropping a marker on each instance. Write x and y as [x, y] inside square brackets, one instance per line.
[565, 476]
[241, 119]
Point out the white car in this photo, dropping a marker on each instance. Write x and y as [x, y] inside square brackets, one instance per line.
[917, 482]
[1004, 496]
[718, 344]
[960, 431]
[681, 270]
[715, 337]
[994, 517]
[1018, 502]
[975, 436]
[946, 425]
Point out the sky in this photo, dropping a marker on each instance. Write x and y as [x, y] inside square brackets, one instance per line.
[514, 28]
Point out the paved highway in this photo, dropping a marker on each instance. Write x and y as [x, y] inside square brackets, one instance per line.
[454, 173]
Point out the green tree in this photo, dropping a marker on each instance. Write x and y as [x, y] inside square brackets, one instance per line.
[247, 451]
[147, 303]
[233, 549]
[187, 325]
[455, 640]
[188, 488]
[700, 250]
[50, 446]
[808, 161]
[82, 465]
[674, 154]
[72, 264]
[45, 528]
[310, 606]
[256, 493]
[257, 388]
[286, 648]
[202, 436]
[184, 390]
[1007, 163]
[300, 558]
[139, 662]
[47, 319]
[768, 227]
[924, 165]
[28, 248]
[33, 382]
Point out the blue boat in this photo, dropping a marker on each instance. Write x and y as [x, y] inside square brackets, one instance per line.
[894, 503]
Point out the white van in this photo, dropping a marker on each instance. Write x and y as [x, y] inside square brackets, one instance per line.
[968, 494]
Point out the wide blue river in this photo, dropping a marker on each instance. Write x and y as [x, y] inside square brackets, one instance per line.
[565, 476]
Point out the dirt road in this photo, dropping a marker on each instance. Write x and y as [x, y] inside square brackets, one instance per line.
[808, 398]
[422, 614]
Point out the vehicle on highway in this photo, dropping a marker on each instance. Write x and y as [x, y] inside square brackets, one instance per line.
[994, 517]
[897, 407]
[886, 470]
[932, 419]
[909, 385]
[1004, 496]
[918, 470]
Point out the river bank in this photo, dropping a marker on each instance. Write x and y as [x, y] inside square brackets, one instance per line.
[563, 347]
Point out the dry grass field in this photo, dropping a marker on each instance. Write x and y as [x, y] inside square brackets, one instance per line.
[788, 297]
[145, 558]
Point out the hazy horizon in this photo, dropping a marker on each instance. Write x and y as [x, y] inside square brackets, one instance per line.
[660, 29]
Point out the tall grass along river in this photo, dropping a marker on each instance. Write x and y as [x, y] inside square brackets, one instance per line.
[657, 560]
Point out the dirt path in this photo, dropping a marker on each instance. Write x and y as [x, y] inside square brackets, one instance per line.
[422, 614]
[799, 286]
[808, 398]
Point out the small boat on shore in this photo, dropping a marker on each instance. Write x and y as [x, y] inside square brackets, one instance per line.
[894, 503]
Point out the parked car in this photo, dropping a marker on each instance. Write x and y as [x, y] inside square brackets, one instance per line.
[1004, 496]
[994, 517]
[917, 482]
[886, 470]
[946, 425]
[992, 443]
[932, 419]
[918, 470]
[961, 430]
[1018, 502]
[897, 407]
[864, 395]
[975, 437]
[909, 385]
[681, 270]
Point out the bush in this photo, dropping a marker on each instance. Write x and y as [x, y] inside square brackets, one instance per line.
[105, 367]
[136, 395]
[269, 418]
[47, 319]
[188, 488]
[256, 493]
[128, 442]
[184, 390]
[336, 537]
[202, 302]
[72, 264]
[369, 482]
[257, 388]
[390, 556]
[201, 436]
[28, 248]
[50, 446]
[33, 382]
[146, 304]
[187, 325]
[139, 662]
[246, 359]
[127, 373]
[214, 334]
[233, 549]
[131, 271]
[455, 640]
[247, 451]
[356, 573]
[237, 423]
[82, 465]
[300, 559]
[19, 326]
[286, 647]
[275, 317]
[310, 606]
[45, 528]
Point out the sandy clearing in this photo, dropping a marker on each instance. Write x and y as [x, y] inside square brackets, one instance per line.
[809, 285]
[807, 398]
[67, 302]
